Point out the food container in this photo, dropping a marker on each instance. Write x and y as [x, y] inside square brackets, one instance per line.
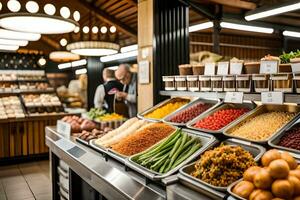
[207, 141]
[205, 83]
[217, 83]
[252, 67]
[255, 150]
[181, 84]
[223, 105]
[261, 82]
[198, 69]
[274, 142]
[213, 103]
[260, 110]
[243, 83]
[185, 69]
[282, 82]
[97, 148]
[115, 155]
[169, 82]
[297, 82]
[193, 83]
[142, 115]
[229, 83]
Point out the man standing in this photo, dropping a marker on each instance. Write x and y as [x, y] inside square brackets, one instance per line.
[105, 93]
[129, 95]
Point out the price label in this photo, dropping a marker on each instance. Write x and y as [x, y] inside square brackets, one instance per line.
[144, 72]
[234, 97]
[63, 128]
[268, 67]
[272, 97]
[223, 68]
[236, 68]
[209, 69]
[295, 67]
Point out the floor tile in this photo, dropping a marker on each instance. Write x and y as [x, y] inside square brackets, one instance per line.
[44, 197]
[19, 195]
[2, 197]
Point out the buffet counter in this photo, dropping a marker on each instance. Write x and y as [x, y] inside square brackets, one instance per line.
[107, 178]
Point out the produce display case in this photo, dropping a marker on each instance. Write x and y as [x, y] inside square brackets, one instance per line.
[212, 103]
[265, 109]
[206, 140]
[255, 150]
[217, 83]
[229, 83]
[243, 83]
[261, 82]
[247, 105]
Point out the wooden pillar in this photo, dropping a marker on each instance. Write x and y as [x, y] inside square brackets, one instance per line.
[163, 40]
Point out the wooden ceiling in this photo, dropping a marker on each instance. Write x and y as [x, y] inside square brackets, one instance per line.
[123, 15]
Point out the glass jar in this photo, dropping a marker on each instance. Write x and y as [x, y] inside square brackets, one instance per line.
[181, 83]
[282, 82]
[229, 83]
[193, 83]
[169, 83]
[243, 83]
[297, 82]
[261, 82]
[205, 83]
[217, 83]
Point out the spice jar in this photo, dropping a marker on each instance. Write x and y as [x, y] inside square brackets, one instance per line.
[169, 82]
[243, 83]
[205, 83]
[217, 83]
[198, 69]
[297, 82]
[193, 83]
[181, 83]
[185, 69]
[261, 82]
[282, 82]
[229, 83]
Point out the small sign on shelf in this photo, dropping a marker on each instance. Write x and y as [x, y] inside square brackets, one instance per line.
[63, 128]
[272, 98]
[223, 68]
[209, 69]
[236, 68]
[234, 97]
[269, 66]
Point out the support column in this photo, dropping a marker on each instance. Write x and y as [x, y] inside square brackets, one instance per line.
[163, 40]
[216, 36]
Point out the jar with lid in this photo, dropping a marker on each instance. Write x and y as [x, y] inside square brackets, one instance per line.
[261, 82]
[193, 83]
[229, 83]
[243, 83]
[205, 83]
[297, 82]
[181, 84]
[169, 83]
[282, 82]
[217, 83]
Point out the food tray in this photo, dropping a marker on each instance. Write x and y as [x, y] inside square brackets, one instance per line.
[215, 103]
[262, 109]
[81, 141]
[207, 142]
[96, 147]
[275, 140]
[249, 105]
[142, 115]
[117, 156]
[256, 150]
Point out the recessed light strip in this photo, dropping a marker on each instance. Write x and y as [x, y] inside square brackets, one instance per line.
[129, 48]
[242, 27]
[119, 56]
[15, 35]
[201, 26]
[271, 12]
[13, 42]
[81, 71]
[291, 34]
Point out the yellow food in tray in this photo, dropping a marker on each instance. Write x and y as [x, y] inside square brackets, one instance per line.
[110, 117]
[166, 109]
[262, 126]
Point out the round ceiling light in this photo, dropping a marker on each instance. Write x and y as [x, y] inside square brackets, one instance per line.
[86, 29]
[15, 35]
[13, 42]
[8, 47]
[42, 61]
[103, 29]
[112, 29]
[63, 56]
[77, 29]
[63, 42]
[93, 48]
[35, 20]
[95, 29]
[76, 16]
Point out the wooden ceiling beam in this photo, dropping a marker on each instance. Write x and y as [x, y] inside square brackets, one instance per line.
[104, 16]
[236, 4]
[50, 42]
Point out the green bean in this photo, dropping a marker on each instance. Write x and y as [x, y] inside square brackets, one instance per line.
[179, 150]
[161, 170]
[184, 157]
[156, 165]
[154, 158]
[175, 147]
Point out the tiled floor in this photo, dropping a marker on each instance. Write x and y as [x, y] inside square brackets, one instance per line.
[26, 181]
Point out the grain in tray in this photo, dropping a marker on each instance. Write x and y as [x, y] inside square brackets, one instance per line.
[262, 126]
[143, 139]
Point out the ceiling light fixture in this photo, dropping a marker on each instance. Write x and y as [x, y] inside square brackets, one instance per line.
[93, 48]
[119, 56]
[257, 14]
[76, 16]
[201, 26]
[15, 35]
[42, 61]
[77, 63]
[63, 42]
[35, 20]
[64, 65]
[77, 29]
[63, 56]
[249, 28]
[112, 29]
[8, 47]
[86, 29]
[291, 34]
[81, 71]
[103, 29]
[13, 42]
[95, 29]
[129, 48]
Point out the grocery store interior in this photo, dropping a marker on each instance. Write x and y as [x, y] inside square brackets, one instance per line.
[150, 99]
